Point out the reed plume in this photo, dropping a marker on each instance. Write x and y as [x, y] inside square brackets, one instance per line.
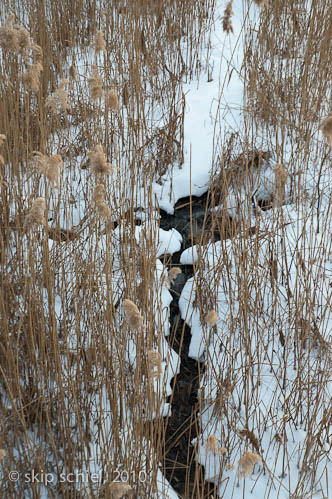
[154, 363]
[211, 318]
[58, 101]
[100, 45]
[212, 445]
[326, 128]
[35, 216]
[113, 100]
[95, 84]
[247, 463]
[172, 274]
[31, 78]
[227, 18]
[49, 166]
[118, 489]
[98, 163]
[132, 315]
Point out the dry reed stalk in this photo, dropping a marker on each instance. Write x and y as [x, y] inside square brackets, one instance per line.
[98, 163]
[132, 315]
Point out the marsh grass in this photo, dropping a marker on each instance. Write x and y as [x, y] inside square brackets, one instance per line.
[112, 109]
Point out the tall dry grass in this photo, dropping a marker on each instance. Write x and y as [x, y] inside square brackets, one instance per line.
[91, 108]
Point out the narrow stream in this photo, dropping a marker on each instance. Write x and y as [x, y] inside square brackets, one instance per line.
[180, 467]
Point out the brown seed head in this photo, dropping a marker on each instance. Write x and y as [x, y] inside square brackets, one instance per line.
[247, 463]
[211, 318]
[227, 18]
[100, 44]
[98, 163]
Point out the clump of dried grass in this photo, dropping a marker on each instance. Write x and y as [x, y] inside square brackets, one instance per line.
[227, 18]
[100, 45]
[49, 166]
[98, 163]
[326, 128]
[95, 84]
[132, 315]
[247, 463]
[35, 216]
[58, 101]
